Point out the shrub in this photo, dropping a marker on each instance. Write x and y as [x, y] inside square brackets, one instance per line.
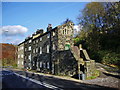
[14, 65]
[91, 77]
[95, 56]
[111, 58]
[9, 62]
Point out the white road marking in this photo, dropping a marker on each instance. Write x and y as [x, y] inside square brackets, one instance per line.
[38, 82]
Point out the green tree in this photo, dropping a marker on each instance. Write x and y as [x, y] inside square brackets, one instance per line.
[101, 28]
[92, 21]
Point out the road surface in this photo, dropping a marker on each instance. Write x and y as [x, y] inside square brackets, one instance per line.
[21, 79]
[12, 80]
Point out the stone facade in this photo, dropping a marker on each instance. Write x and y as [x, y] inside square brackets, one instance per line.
[21, 55]
[48, 44]
[54, 52]
[27, 52]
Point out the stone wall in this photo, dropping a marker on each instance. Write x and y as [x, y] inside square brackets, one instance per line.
[43, 63]
[65, 63]
[90, 68]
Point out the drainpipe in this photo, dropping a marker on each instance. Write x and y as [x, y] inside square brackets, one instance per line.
[50, 52]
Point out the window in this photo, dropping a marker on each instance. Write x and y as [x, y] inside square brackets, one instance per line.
[63, 31]
[53, 68]
[29, 47]
[44, 65]
[40, 50]
[33, 63]
[40, 64]
[21, 47]
[25, 57]
[47, 48]
[29, 41]
[33, 50]
[29, 57]
[66, 31]
[25, 49]
[36, 50]
[29, 64]
[18, 56]
[22, 63]
[18, 62]
[36, 41]
[37, 64]
[40, 38]
[53, 46]
[22, 56]
[48, 66]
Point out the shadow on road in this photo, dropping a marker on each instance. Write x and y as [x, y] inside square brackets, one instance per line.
[116, 76]
[62, 83]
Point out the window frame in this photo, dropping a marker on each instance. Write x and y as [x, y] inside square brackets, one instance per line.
[40, 50]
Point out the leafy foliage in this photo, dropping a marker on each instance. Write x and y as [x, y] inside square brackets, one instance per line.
[101, 31]
[111, 58]
[9, 62]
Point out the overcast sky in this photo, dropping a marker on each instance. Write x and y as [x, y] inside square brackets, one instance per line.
[21, 19]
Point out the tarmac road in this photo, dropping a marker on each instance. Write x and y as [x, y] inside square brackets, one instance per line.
[11, 80]
[48, 82]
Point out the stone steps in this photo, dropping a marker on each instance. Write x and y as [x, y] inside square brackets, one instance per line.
[86, 55]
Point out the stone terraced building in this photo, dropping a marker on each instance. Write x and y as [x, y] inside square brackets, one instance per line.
[21, 55]
[54, 52]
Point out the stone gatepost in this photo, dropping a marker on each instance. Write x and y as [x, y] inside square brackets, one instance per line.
[88, 64]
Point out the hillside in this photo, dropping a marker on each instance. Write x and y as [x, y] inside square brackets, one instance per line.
[8, 53]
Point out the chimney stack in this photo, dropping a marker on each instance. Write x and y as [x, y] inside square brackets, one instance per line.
[49, 27]
[39, 31]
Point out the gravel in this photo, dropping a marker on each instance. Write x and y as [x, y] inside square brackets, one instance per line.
[108, 82]
[106, 78]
